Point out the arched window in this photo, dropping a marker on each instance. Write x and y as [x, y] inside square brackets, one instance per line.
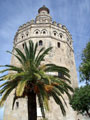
[58, 44]
[36, 32]
[60, 35]
[44, 32]
[40, 43]
[54, 33]
[22, 35]
[27, 33]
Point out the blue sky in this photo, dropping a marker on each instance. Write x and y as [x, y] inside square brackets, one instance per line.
[75, 14]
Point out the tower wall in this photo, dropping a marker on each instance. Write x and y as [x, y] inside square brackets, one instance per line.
[51, 34]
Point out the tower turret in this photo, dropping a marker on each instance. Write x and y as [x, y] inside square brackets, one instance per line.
[43, 15]
[43, 9]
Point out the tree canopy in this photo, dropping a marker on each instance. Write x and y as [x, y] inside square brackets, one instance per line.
[80, 100]
[84, 68]
[32, 79]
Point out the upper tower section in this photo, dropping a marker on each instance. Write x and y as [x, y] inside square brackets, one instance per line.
[43, 15]
[43, 28]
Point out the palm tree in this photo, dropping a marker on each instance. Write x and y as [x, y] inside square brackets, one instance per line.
[32, 79]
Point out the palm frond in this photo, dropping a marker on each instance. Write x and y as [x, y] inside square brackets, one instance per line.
[13, 68]
[19, 58]
[59, 102]
[44, 96]
[31, 50]
[5, 95]
[20, 54]
[4, 84]
[3, 89]
[58, 92]
[46, 105]
[39, 53]
[40, 101]
[35, 49]
[14, 99]
[55, 68]
[26, 51]
[20, 88]
[42, 56]
[60, 67]
[33, 76]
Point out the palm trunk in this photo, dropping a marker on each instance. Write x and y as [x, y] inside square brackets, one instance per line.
[32, 106]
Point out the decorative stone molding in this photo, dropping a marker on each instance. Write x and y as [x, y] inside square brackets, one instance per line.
[54, 23]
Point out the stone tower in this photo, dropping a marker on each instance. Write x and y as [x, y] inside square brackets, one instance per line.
[47, 33]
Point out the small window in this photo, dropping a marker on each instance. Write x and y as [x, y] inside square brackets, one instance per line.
[23, 45]
[22, 36]
[58, 44]
[54, 33]
[40, 43]
[60, 36]
[44, 32]
[27, 34]
[36, 32]
[17, 104]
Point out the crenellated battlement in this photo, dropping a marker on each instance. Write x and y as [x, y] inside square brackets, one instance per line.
[58, 31]
[26, 24]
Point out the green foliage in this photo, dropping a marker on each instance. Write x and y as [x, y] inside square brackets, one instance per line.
[85, 65]
[86, 53]
[80, 100]
[32, 76]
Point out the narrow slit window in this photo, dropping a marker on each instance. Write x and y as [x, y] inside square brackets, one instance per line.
[60, 36]
[58, 44]
[17, 104]
[22, 36]
[23, 45]
[40, 43]
[27, 34]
